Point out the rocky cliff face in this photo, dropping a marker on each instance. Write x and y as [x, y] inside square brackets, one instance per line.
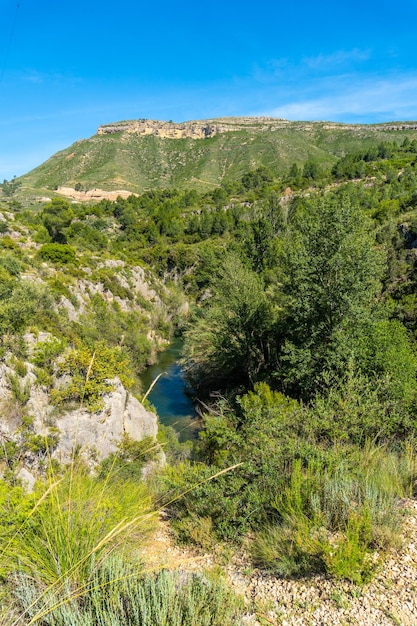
[135, 156]
[97, 435]
[201, 129]
[93, 435]
[34, 429]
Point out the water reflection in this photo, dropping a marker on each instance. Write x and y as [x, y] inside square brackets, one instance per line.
[168, 395]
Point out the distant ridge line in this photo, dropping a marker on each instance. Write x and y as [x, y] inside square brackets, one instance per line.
[195, 129]
[203, 129]
[139, 155]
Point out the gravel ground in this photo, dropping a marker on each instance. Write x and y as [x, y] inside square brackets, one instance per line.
[391, 598]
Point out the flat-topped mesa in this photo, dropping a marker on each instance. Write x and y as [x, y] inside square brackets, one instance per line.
[201, 129]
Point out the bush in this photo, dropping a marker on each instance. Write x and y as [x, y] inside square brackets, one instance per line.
[20, 391]
[11, 264]
[130, 459]
[119, 595]
[57, 253]
[16, 507]
[335, 514]
[27, 303]
[263, 434]
[46, 352]
[90, 373]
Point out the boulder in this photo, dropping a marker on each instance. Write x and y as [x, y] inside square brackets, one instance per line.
[97, 435]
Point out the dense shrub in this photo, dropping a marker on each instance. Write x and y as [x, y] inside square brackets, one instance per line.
[57, 253]
[90, 374]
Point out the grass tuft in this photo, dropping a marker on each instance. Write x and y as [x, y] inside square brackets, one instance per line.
[337, 516]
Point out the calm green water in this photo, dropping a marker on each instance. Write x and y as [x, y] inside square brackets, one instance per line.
[168, 396]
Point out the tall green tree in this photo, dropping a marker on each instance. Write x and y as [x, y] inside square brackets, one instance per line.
[331, 271]
[57, 216]
[230, 344]
[10, 187]
[311, 169]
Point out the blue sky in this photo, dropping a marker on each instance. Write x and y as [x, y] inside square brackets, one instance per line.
[67, 67]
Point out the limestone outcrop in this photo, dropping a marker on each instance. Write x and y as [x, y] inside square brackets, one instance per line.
[94, 436]
[201, 129]
[97, 435]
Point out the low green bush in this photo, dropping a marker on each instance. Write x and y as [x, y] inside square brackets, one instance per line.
[126, 328]
[90, 372]
[16, 507]
[119, 595]
[130, 459]
[20, 391]
[59, 253]
[46, 352]
[12, 264]
[336, 515]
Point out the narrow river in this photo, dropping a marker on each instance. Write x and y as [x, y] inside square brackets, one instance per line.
[168, 396]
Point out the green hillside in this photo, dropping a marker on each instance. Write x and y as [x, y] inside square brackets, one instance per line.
[294, 296]
[122, 159]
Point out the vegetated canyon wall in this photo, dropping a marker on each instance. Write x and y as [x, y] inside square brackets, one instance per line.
[94, 435]
[34, 428]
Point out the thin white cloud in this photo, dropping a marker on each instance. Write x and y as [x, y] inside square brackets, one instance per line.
[326, 62]
[333, 63]
[31, 75]
[384, 100]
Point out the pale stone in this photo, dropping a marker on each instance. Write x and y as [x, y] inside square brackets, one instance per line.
[70, 309]
[99, 434]
[93, 435]
[27, 479]
[199, 129]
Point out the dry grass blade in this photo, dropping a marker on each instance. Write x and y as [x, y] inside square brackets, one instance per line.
[112, 539]
[87, 378]
[152, 385]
